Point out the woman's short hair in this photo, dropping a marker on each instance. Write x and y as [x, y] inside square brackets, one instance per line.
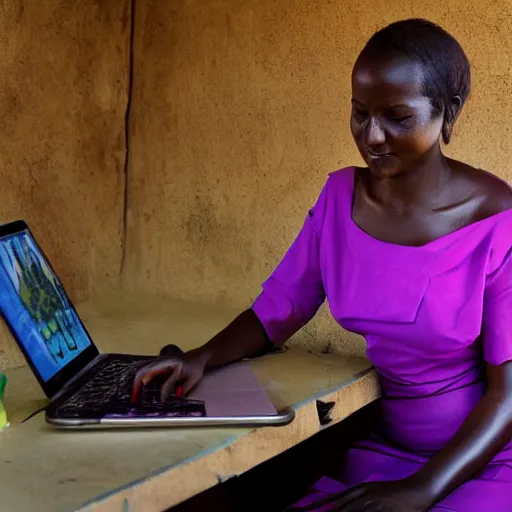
[446, 68]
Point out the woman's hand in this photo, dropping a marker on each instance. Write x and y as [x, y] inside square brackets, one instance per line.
[399, 495]
[243, 337]
[183, 369]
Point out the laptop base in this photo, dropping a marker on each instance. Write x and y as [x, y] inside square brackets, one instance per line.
[279, 419]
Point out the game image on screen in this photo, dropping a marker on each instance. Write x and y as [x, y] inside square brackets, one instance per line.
[34, 303]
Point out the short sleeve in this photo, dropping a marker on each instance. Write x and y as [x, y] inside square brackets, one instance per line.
[497, 317]
[293, 293]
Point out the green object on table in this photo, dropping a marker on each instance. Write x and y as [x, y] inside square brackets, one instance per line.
[3, 414]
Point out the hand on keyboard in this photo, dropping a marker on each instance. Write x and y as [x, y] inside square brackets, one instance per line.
[168, 372]
[110, 389]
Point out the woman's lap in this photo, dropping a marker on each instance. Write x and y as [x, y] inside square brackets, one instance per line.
[475, 496]
[490, 491]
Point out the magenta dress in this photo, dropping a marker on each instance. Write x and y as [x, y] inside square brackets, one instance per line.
[432, 317]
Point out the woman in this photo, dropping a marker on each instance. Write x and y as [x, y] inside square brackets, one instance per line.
[415, 253]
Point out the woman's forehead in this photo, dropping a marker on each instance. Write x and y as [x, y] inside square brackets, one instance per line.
[387, 79]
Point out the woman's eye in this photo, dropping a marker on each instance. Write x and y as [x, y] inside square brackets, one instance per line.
[359, 114]
[400, 119]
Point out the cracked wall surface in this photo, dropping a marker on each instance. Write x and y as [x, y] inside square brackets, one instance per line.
[63, 78]
[241, 108]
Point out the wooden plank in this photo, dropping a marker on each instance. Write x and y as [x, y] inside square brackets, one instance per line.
[153, 470]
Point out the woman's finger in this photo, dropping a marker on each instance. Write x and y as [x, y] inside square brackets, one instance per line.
[146, 374]
[361, 504]
[340, 500]
[190, 383]
[169, 385]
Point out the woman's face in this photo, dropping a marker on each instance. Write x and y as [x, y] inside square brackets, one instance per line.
[392, 121]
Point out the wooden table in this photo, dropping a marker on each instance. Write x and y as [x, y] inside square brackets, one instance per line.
[48, 470]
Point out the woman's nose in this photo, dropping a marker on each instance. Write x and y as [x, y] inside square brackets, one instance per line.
[374, 135]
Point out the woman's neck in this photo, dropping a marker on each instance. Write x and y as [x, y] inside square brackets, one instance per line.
[420, 187]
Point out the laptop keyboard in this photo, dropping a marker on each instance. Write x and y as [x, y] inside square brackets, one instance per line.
[108, 393]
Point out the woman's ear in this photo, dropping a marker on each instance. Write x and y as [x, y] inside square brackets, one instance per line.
[451, 114]
[457, 102]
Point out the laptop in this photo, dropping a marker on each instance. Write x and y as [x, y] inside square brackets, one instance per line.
[88, 389]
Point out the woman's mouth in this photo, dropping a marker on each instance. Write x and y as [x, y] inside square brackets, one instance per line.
[377, 154]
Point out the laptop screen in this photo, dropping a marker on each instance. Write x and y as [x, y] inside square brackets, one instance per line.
[35, 305]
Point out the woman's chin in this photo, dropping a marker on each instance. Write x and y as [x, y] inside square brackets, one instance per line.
[383, 166]
[384, 171]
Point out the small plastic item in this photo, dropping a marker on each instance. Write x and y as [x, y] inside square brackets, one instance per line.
[3, 414]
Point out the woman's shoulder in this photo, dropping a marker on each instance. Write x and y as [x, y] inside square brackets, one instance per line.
[490, 193]
[495, 198]
[338, 185]
[335, 197]
[342, 176]
[492, 214]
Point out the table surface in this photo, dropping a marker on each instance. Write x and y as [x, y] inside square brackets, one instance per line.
[150, 470]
